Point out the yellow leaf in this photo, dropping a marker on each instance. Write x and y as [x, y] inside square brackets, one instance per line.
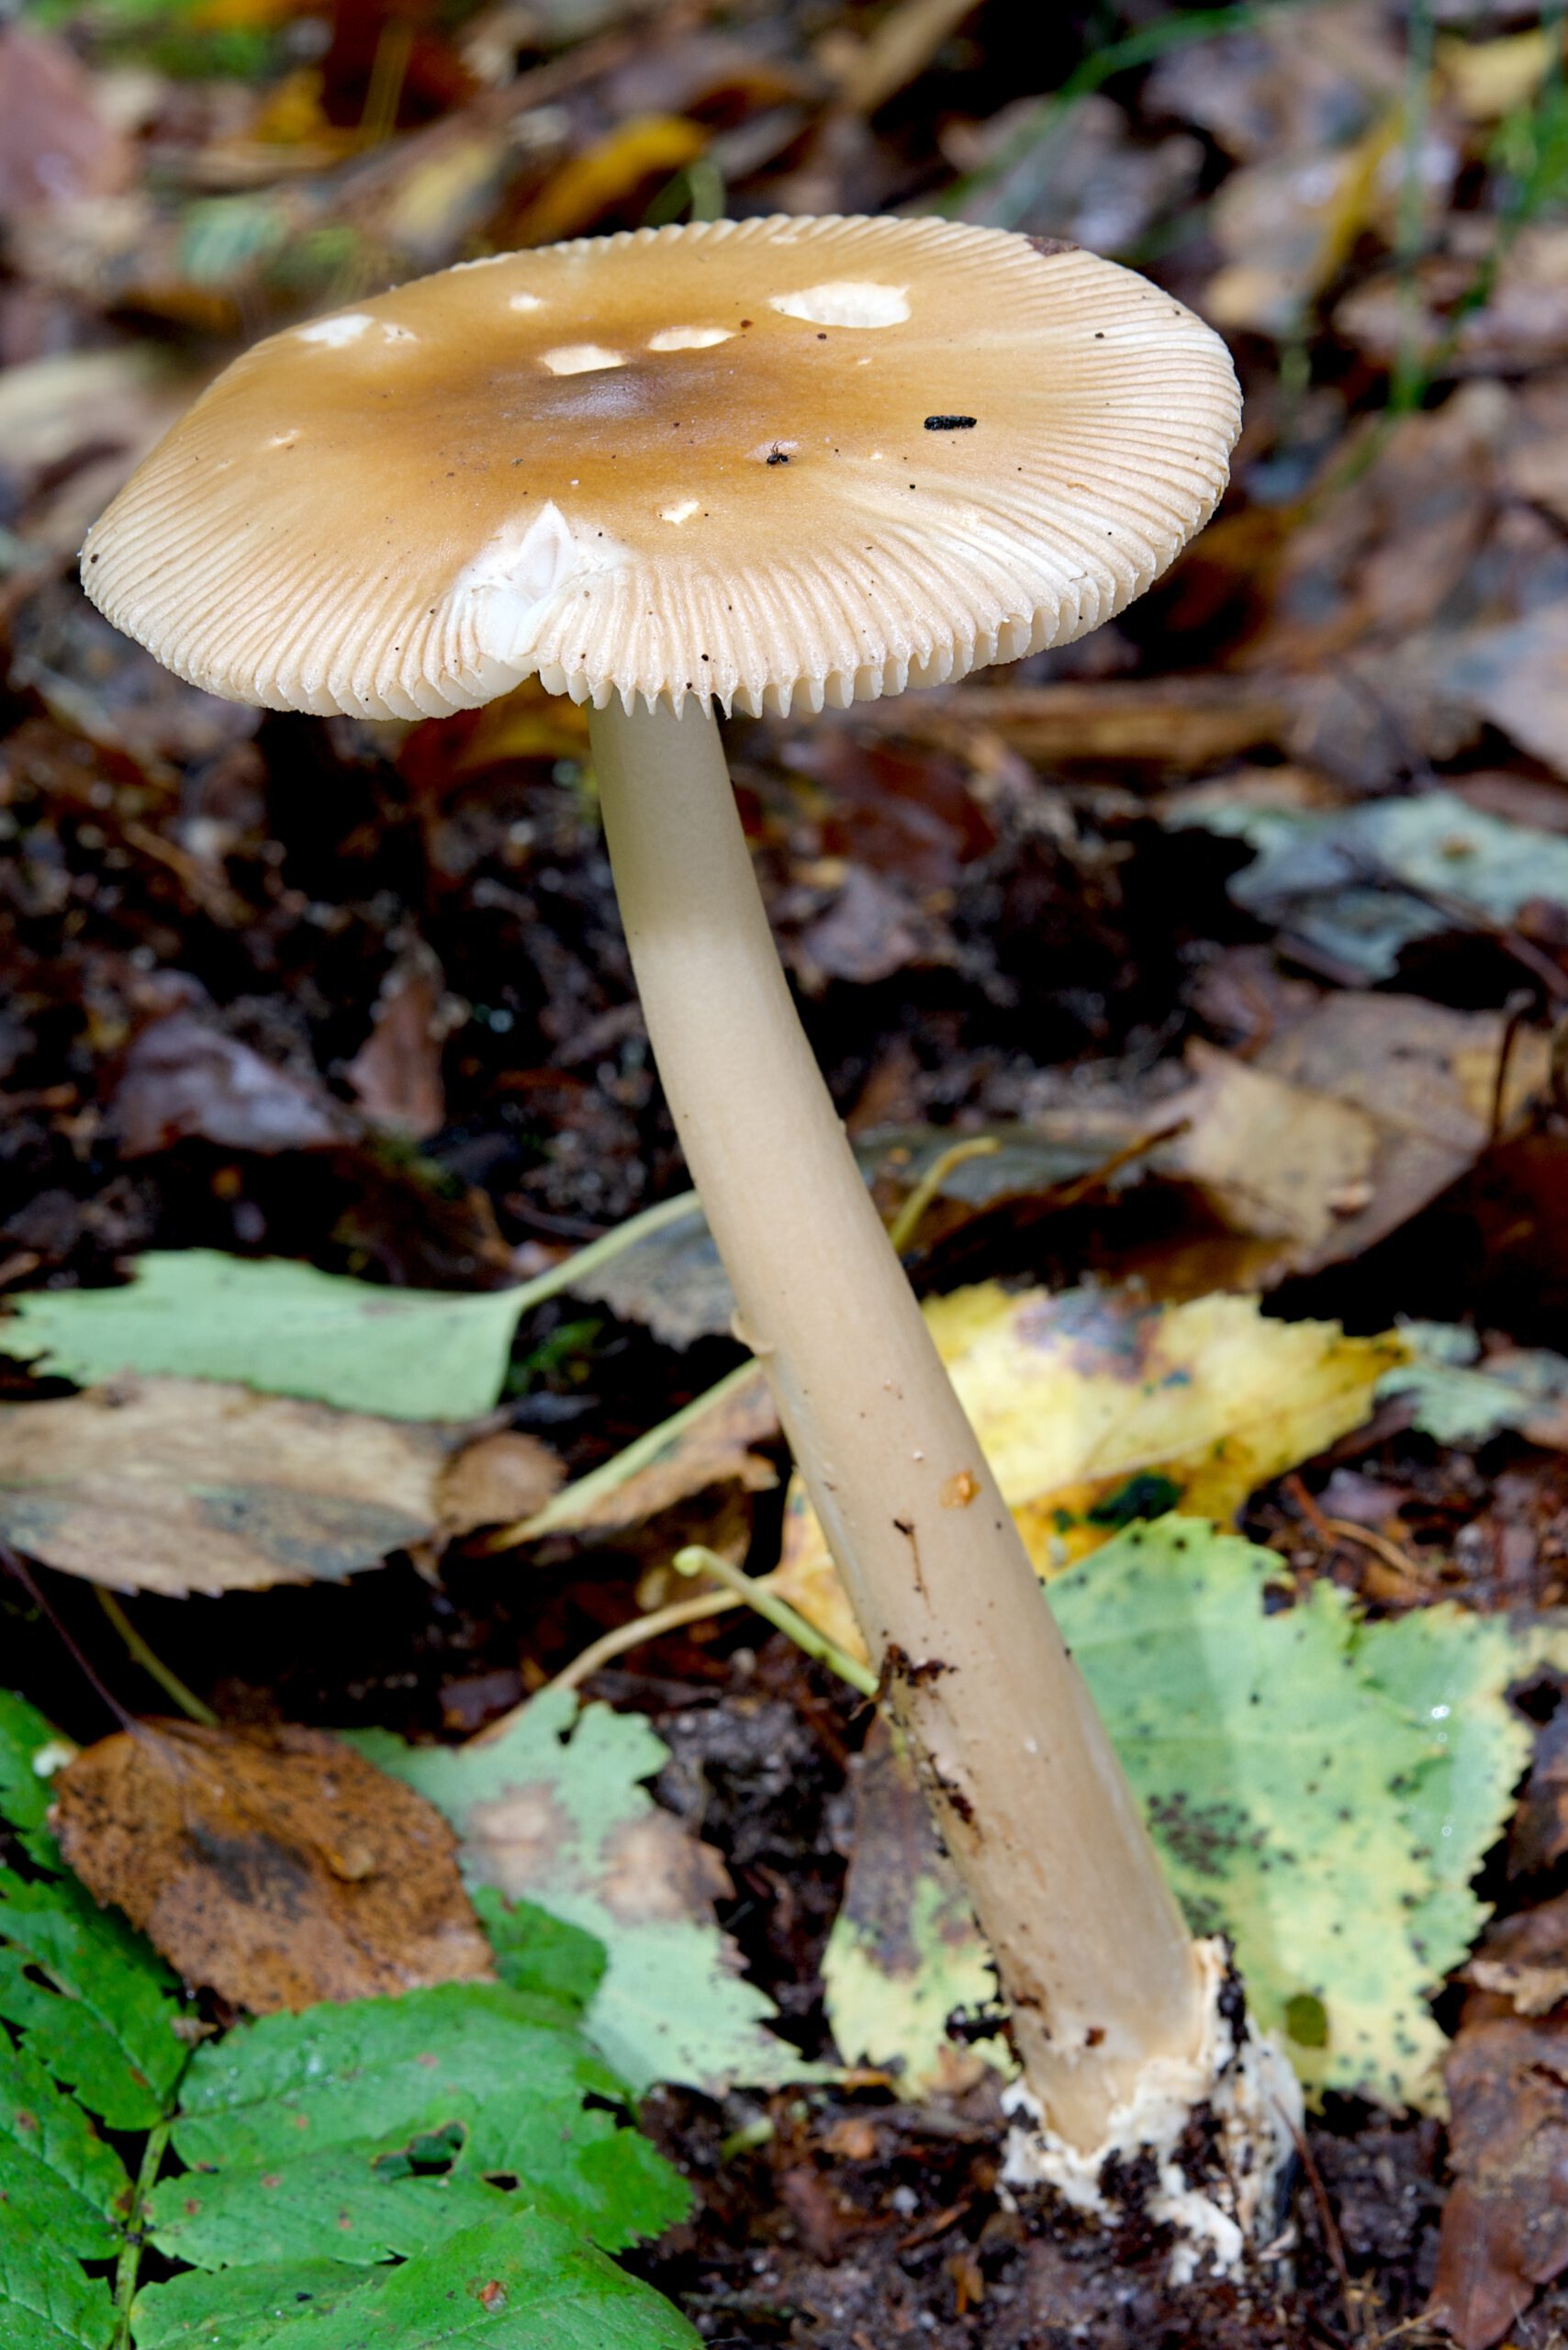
[1487, 79]
[1096, 1407]
[589, 184]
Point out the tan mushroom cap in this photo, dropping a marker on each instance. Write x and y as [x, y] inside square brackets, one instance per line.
[752, 461]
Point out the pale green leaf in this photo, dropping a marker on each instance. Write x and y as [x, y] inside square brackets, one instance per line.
[1524, 1388]
[281, 1327]
[556, 1811]
[1365, 881]
[1309, 1798]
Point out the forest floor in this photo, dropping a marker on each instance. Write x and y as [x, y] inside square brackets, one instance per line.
[356, 995]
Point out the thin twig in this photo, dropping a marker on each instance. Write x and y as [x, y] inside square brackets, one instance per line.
[756, 1592]
[611, 1645]
[912, 1215]
[152, 1664]
[17, 1565]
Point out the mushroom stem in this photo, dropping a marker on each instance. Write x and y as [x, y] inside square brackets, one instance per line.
[1092, 1953]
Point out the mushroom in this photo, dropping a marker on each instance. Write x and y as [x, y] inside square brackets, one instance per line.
[756, 466]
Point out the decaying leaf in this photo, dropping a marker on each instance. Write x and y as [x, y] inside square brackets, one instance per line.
[267, 1322]
[1459, 1401]
[1096, 1408]
[176, 1485]
[184, 1076]
[554, 1809]
[714, 1446]
[275, 1866]
[1505, 2229]
[1437, 1085]
[1322, 1790]
[905, 1954]
[1278, 1161]
[396, 1074]
[1365, 881]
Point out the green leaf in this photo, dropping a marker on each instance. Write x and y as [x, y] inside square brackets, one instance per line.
[59, 2181]
[236, 2309]
[64, 2198]
[518, 2283]
[1523, 1388]
[318, 2148]
[47, 2302]
[357, 2131]
[96, 2003]
[26, 1739]
[270, 1323]
[538, 1954]
[1364, 881]
[1324, 1791]
[555, 1810]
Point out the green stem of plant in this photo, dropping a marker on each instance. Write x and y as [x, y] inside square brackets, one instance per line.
[696, 1559]
[569, 1506]
[130, 2263]
[1139, 48]
[152, 1664]
[912, 1215]
[571, 1269]
[1410, 370]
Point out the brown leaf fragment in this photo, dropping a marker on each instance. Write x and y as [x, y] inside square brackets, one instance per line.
[396, 1074]
[1505, 2229]
[57, 142]
[1427, 1077]
[714, 1448]
[1278, 1161]
[176, 1485]
[494, 1480]
[275, 1866]
[184, 1076]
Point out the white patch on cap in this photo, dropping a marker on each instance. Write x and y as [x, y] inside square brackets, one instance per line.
[846, 302]
[510, 586]
[690, 337]
[389, 333]
[681, 513]
[347, 327]
[523, 301]
[579, 358]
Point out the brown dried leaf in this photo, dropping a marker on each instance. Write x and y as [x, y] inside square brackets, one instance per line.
[396, 1074]
[1505, 2231]
[714, 1448]
[1425, 1076]
[184, 1076]
[1277, 1160]
[56, 141]
[176, 1485]
[275, 1866]
[494, 1481]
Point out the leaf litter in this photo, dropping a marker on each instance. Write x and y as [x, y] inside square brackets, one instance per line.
[1375, 621]
[357, 2164]
[275, 1867]
[176, 1485]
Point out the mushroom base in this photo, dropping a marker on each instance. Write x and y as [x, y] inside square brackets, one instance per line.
[1203, 2146]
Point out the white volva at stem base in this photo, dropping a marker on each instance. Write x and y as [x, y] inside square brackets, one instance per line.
[1096, 1961]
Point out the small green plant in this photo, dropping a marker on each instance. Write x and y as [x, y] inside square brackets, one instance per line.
[456, 2162]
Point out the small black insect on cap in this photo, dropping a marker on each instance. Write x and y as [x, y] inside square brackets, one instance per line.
[950, 424]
